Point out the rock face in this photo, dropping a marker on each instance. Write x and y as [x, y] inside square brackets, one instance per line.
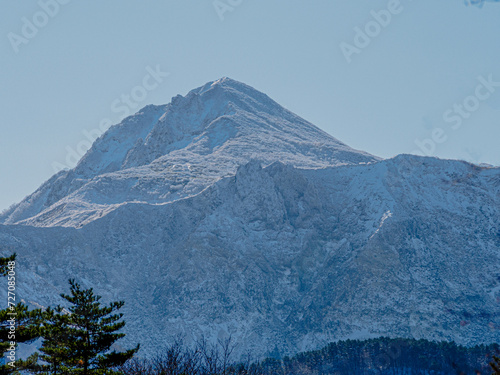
[222, 213]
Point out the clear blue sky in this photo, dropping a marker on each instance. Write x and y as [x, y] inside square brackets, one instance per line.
[87, 54]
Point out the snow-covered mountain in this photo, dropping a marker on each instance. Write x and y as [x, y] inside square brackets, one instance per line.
[165, 153]
[222, 213]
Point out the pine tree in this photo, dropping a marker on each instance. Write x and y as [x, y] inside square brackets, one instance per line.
[17, 323]
[54, 331]
[79, 342]
[495, 365]
[5, 263]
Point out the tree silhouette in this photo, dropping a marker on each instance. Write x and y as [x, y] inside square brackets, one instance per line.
[79, 341]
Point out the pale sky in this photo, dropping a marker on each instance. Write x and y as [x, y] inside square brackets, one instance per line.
[381, 76]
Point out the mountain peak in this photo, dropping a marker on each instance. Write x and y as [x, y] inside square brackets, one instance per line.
[226, 90]
[224, 82]
[164, 153]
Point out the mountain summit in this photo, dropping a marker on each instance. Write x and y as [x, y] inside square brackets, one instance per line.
[223, 214]
[164, 153]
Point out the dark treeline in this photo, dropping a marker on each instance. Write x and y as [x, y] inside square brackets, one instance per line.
[354, 357]
[388, 356]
